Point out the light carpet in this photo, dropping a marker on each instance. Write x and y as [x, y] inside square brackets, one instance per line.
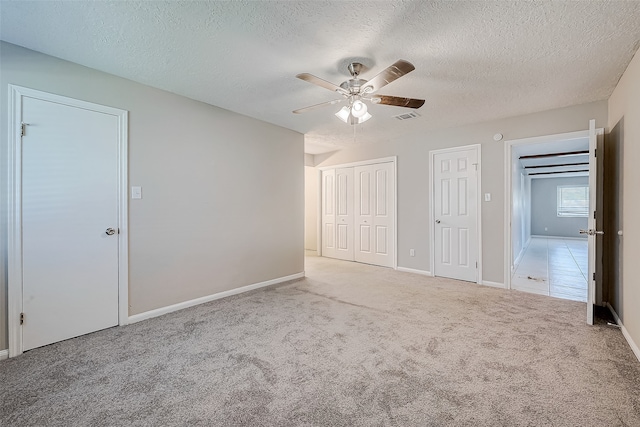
[350, 345]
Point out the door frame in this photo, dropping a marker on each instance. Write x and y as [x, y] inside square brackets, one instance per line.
[508, 152]
[394, 161]
[432, 208]
[14, 250]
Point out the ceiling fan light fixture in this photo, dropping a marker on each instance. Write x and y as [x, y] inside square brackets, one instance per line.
[344, 114]
[359, 109]
[362, 119]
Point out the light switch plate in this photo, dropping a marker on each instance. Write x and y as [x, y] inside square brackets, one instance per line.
[487, 197]
[136, 192]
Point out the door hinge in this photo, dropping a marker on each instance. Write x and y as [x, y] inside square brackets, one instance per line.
[476, 264]
[594, 276]
[594, 214]
[595, 152]
[21, 318]
[23, 129]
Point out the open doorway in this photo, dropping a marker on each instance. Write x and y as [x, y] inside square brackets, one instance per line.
[550, 205]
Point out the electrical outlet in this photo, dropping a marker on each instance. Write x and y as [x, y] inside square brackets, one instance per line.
[412, 252]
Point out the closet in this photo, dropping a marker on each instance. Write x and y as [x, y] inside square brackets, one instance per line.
[358, 213]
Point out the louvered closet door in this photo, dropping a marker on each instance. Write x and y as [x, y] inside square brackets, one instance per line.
[374, 211]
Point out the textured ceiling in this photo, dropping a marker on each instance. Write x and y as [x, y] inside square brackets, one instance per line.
[475, 61]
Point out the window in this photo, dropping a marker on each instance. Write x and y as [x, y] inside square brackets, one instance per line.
[573, 200]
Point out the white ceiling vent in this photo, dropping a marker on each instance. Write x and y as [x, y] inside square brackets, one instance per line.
[407, 116]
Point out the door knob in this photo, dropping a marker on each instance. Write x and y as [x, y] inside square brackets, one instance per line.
[437, 221]
[110, 231]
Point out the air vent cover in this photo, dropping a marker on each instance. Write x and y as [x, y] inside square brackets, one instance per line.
[407, 116]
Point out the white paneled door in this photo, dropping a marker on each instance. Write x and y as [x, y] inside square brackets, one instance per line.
[337, 213]
[69, 203]
[592, 232]
[455, 214]
[374, 213]
[344, 213]
[358, 213]
[328, 217]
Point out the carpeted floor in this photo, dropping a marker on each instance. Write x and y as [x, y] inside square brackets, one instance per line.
[350, 345]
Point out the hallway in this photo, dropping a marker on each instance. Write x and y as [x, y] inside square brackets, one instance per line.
[553, 266]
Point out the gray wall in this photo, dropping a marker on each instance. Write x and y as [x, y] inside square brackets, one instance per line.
[544, 200]
[624, 119]
[311, 183]
[223, 202]
[413, 149]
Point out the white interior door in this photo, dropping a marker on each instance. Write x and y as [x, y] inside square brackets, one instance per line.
[455, 214]
[344, 213]
[329, 213]
[374, 211]
[592, 232]
[337, 213]
[69, 200]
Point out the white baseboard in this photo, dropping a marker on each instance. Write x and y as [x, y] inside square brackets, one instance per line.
[414, 271]
[4, 354]
[558, 237]
[493, 284]
[186, 304]
[625, 333]
[518, 258]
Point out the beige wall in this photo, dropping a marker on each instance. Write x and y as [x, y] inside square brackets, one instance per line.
[311, 182]
[221, 190]
[624, 117]
[413, 175]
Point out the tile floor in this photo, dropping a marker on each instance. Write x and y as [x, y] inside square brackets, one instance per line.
[553, 266]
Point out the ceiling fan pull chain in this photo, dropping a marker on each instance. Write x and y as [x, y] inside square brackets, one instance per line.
[354, 134]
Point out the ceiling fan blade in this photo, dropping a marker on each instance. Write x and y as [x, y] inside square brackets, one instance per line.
[397, 101]
[313, 107]
[386, 76]
[322, 83]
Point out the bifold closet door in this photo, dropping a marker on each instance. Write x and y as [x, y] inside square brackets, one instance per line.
[329, 213]
[337, 213]
[374, 214]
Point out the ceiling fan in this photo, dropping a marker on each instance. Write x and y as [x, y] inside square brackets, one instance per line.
[357, 90]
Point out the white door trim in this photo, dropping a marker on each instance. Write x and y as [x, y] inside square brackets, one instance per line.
[14, 251]
[361, 163]
[508, 152]
[392, 159]
[432, 255]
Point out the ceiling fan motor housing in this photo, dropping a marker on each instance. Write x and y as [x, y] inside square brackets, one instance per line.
[353, 86]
